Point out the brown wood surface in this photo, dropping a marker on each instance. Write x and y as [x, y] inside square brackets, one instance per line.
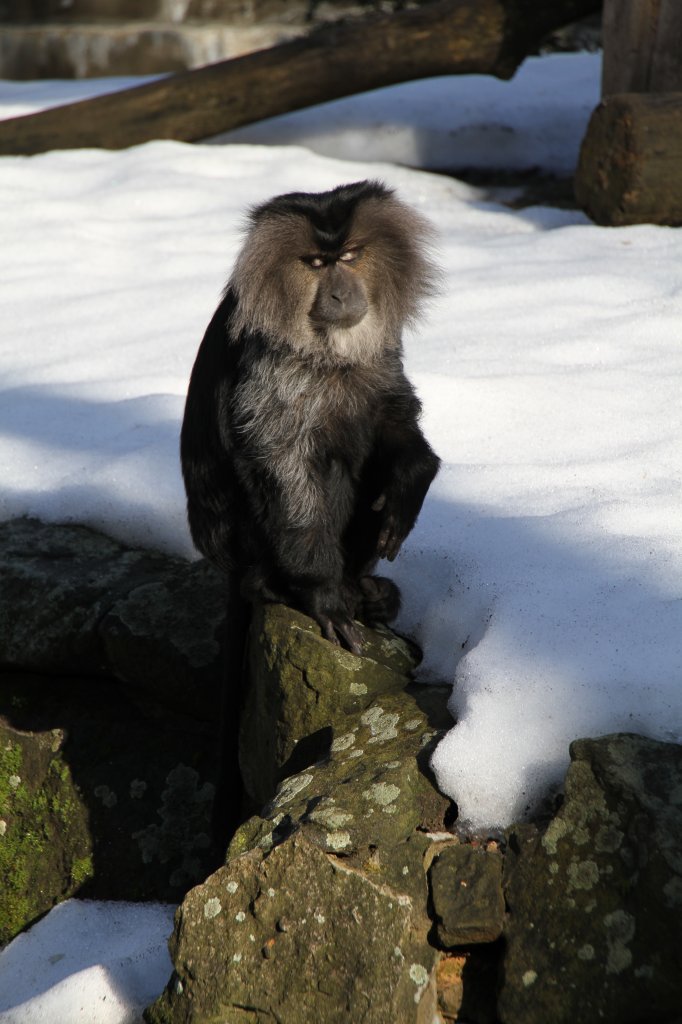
[642, 46]
[443, 37]
[629, 170]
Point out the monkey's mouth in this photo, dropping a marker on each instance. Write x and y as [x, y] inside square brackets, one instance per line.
[333, 317]
[341, 300]
[325, 328]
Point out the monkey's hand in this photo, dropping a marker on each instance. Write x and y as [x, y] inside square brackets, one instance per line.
[391, 534]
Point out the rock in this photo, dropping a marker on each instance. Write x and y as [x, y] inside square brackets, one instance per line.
[97, 797]
[321, 912]
[595, 902]
[45, 849]
[296, 935]
[76, 601]
[466, 890]
[369, 799]
[450, 986]
[300, 685]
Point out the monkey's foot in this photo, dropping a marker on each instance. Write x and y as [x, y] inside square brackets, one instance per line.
[341, 626]
[380, 600]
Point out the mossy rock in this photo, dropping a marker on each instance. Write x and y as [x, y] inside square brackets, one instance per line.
[296, 936]
[594, 929]
[98, 797]
[45, 845]
[300, 686]
[371, 798]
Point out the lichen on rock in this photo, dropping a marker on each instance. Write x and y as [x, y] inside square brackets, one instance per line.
[589, 910]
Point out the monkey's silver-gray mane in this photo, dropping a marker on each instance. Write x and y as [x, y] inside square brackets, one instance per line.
[275, 291]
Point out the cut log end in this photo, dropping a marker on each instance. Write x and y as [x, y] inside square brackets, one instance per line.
[629, 166]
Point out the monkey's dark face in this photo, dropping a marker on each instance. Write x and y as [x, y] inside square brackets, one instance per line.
[333, 275]
[341, 298]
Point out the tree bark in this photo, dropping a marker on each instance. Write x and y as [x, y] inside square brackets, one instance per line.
[441, 38]
[629, 167]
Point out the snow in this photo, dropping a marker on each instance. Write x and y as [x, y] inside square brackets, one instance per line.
[544, 577]
[87, 963]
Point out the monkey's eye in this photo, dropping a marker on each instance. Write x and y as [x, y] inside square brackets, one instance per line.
[314, 261]
[348, 256]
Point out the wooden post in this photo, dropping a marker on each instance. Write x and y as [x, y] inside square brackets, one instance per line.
[630, 159]
[642, 46]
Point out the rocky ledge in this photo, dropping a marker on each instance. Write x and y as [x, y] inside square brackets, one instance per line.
[351, 895]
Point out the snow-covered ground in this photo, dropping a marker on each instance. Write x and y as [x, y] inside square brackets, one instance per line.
[99, 963]
[544, 578]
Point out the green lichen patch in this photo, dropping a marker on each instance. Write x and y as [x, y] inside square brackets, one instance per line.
[369, 808]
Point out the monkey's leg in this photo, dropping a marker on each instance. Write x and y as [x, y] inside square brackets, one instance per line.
[375, 599]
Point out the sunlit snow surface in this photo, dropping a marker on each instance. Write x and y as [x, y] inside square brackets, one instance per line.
[544, 577]
[87, 963]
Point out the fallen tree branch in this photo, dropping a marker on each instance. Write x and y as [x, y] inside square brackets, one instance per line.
[441, 38]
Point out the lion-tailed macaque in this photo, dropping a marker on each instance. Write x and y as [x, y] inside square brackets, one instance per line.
[302, 455]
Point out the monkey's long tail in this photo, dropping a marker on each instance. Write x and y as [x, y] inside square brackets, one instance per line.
[228, 804]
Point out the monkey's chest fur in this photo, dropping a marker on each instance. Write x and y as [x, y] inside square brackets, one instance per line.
[309, 428]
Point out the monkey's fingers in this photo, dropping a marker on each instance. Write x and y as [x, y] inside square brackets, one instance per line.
[385, 535]
[390, 540]
[394, 548]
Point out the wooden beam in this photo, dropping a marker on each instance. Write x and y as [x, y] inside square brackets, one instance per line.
[440, 38]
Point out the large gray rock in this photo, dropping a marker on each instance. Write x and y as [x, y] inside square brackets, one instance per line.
[108, 697]
[296, 936]
[97, 796]
[74, 600]
[369, 799]
[329, 920]
[594, 931]
[300, 686]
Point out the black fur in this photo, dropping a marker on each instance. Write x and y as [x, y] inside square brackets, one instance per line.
[304, 465]
[369, 448]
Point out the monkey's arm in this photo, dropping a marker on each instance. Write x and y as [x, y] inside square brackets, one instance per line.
[407, 464]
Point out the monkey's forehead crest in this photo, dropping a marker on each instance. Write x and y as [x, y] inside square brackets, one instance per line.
[330, 213]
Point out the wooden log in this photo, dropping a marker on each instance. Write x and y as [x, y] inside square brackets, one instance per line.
[642, 46]
[630, 160]
[441, 38]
